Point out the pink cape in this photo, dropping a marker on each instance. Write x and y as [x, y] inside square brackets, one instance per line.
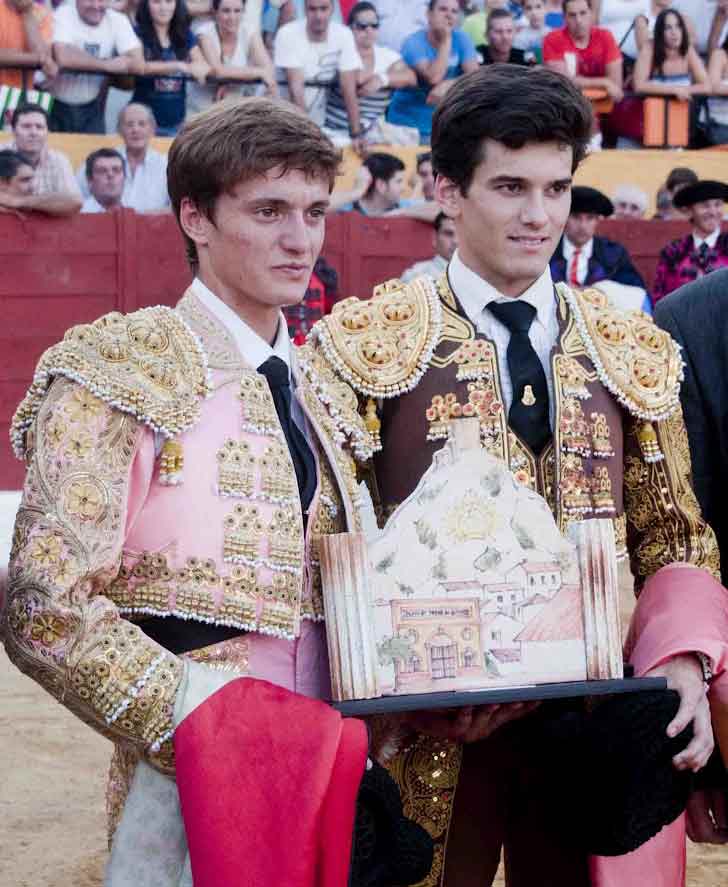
[268, 781]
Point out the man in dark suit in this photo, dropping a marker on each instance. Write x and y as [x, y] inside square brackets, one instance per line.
[582, 258]
[696, 316]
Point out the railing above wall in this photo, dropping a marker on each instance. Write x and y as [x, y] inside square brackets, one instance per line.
[60, 272]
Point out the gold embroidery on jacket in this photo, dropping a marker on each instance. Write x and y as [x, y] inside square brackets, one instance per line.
[236, 467]
[61, 626]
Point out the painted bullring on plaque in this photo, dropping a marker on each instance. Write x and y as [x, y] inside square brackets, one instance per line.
[470, 585]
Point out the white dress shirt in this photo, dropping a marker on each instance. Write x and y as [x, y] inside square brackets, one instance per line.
[254, 349]
[474, 294]
[582, 263]
[711, 239]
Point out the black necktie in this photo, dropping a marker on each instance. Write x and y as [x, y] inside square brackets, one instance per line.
[276, 373]
[703, 256]
[529, 413]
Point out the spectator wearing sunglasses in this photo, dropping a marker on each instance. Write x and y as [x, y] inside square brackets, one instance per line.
[382, 70]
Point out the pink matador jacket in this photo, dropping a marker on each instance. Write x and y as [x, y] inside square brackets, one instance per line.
[159, 483]
[619, 450]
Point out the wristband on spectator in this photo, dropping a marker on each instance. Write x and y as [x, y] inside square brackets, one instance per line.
[354, 134]
[384, 77]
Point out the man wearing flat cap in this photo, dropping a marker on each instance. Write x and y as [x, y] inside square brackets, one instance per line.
[583, 259]
[703, 250]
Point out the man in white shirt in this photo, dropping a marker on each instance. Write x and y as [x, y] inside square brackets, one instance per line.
[145, 183]
[89, 36]
[317, 49]
[105, 174]
[445, 241]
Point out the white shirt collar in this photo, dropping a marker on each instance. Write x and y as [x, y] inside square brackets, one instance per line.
[474, 293]
[252, 347]
[570, 248]
[711, 239]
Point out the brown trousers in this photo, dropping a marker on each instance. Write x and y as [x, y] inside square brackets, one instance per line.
[500, 804]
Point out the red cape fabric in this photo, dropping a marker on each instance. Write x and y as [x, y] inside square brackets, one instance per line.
[268, 782]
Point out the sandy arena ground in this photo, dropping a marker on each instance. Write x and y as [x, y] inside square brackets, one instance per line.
[52, 776]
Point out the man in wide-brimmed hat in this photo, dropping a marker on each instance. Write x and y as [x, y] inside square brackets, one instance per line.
[704, 249]
[582, 258]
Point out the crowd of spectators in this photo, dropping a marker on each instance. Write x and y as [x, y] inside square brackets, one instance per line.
[370, 71]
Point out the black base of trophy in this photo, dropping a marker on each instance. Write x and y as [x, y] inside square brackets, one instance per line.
[460, 698]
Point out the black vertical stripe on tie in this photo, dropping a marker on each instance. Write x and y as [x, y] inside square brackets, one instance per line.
[276, 372]
[529, 412]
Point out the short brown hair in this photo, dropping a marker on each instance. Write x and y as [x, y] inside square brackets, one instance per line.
[512, 105]
[239, 140]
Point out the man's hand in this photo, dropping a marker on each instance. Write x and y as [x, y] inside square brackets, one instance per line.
[470, 723]
[707, 817]
[370, 86]
[438, 93]
[685, 675]
[120, 64]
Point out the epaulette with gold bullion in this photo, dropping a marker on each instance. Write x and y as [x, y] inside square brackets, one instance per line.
[636, 361]
[148, 364]
[382, 346]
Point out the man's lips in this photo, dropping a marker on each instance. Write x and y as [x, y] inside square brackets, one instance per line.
[529, 240]
[293, 268]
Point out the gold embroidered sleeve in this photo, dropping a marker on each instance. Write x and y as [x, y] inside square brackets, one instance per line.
[59, 628]
[664, 523]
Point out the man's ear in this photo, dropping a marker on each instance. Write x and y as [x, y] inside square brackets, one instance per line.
[194, 223]
[449, 196]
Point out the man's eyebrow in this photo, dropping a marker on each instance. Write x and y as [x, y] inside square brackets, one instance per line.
[282, 203]
[520, 180]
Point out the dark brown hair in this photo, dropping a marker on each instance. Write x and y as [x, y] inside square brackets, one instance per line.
[236, 141]
[512, 105]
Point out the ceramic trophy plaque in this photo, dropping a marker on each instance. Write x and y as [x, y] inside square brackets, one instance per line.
[470, 586]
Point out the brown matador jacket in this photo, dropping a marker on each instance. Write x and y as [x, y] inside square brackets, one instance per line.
[619, 446]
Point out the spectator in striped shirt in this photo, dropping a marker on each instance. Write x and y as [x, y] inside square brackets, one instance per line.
[382, 70]
[55, 190]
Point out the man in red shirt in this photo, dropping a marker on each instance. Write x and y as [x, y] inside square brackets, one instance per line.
[588, 55]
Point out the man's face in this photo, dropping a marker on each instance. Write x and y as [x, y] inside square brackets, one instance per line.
[706, 216]
[31, 134]
[625, 208]
[136, 129]
[391, 190]
[266, 236]
[511, 219]
[91, 11]
[580, 227]
[107, 180]
[21, 184]
[535, 12]
[578, 18]
[427, 176]
[446, 239]
[500, 35]
[318, 16]
[444, 15]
